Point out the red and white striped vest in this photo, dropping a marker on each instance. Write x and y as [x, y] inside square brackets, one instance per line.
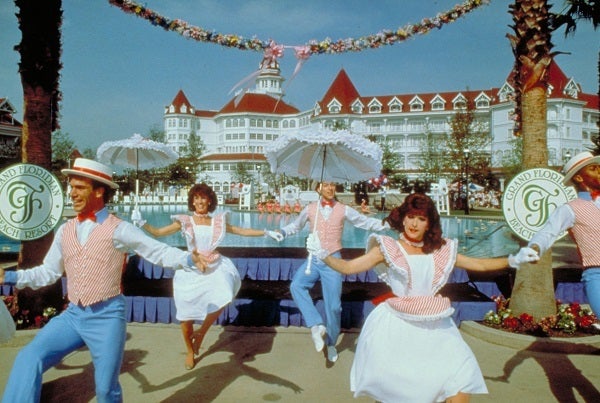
[93, 270]
[585, 231]
[330, 230]
[419, 307]
[219, 223]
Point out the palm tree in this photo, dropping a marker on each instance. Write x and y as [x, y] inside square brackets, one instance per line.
[533, 291]
[39, 22]
[576, 10]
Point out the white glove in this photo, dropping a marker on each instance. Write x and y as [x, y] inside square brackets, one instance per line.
[136, 214]
[278, 236]
[139, 223]
[136, 218]
[525, 255]
[313, 245]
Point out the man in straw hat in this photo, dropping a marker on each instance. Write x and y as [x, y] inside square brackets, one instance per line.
[325, 217]
[581, 217]
[91, 249]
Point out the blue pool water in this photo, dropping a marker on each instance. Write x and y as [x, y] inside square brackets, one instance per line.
[477, 237]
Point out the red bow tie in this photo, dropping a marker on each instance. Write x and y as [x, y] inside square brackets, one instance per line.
[594, 194]
[86, 216]
[326, 203]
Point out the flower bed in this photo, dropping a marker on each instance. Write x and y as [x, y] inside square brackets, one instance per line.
[571, 320]
[23, 317]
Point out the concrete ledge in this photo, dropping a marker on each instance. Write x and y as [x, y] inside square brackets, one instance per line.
[562, 345]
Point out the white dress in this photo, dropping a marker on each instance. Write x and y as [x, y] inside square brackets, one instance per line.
[406, 358]
[197, 294]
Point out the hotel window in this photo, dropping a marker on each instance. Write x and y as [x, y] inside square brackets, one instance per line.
[334, 109]
[461, 104]
[285, 124]
[482, 104]
[395, 107]
[276, 124]
[292, 123]
[437, 106]
[252, 122]
[415, 107]
[375, 109]
[268, 123]
[259, 123]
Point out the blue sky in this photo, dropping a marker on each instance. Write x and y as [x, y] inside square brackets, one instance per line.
[119, 72]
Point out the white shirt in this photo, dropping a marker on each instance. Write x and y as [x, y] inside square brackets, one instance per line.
[126, 238]
[350, 214]
[559, 221]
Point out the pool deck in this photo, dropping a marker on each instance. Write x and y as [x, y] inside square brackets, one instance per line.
[280, 364]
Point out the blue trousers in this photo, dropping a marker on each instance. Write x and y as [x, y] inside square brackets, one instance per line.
[101, 327]
[331, 282]
[591, 285]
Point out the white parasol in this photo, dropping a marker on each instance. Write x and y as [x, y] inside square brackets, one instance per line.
[325, 155]
[136, 152]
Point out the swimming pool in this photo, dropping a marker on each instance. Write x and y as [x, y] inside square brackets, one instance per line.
[477, 237]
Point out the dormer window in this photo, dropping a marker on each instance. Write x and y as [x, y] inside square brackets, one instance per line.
[571, 89]
[416, 104]
[482, 101]
[482, 104]
[395, 105]
[183, 109]
[357, 106]
[171, 109]
[460, 102]
[506, 93]
[334, 106]
[416, 107]
[374, 106]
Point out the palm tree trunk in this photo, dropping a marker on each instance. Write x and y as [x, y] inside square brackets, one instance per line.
[533, 292]
[39, 68]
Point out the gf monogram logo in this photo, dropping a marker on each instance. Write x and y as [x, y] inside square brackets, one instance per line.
[23, 198]
[530, 198]
[539, 202]
[32, 202]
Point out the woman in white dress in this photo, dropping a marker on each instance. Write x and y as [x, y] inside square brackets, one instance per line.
[409, 349]
[202, 296]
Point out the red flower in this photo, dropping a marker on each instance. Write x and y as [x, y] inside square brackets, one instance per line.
[510, 323]
[574, 307]
[526, 318]
[584, 321]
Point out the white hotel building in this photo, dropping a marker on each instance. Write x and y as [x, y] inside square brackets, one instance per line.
[239, 131]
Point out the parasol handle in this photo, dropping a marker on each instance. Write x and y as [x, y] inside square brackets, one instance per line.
[307, 270]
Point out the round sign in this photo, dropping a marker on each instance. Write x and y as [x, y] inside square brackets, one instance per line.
[32, 202]
[531, 197]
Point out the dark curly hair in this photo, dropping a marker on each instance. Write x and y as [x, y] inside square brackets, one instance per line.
[202, 189]
[423, 205]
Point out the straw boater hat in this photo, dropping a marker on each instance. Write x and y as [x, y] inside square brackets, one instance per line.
[92, 170]
[576, 163]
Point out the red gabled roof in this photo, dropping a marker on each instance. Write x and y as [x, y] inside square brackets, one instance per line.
[258, 103]
[205, 114]
[179, 100]
[341, 89]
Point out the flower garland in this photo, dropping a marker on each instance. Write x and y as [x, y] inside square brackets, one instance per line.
[303, 52]
[569, 319]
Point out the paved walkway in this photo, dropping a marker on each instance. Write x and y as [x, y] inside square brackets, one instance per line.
[280, 365]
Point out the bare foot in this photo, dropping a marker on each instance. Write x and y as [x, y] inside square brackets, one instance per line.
[197, 342]
[189, 361]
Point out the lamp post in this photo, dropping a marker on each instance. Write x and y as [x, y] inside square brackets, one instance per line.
[567, 157]
[466, 154]
[259, 184]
